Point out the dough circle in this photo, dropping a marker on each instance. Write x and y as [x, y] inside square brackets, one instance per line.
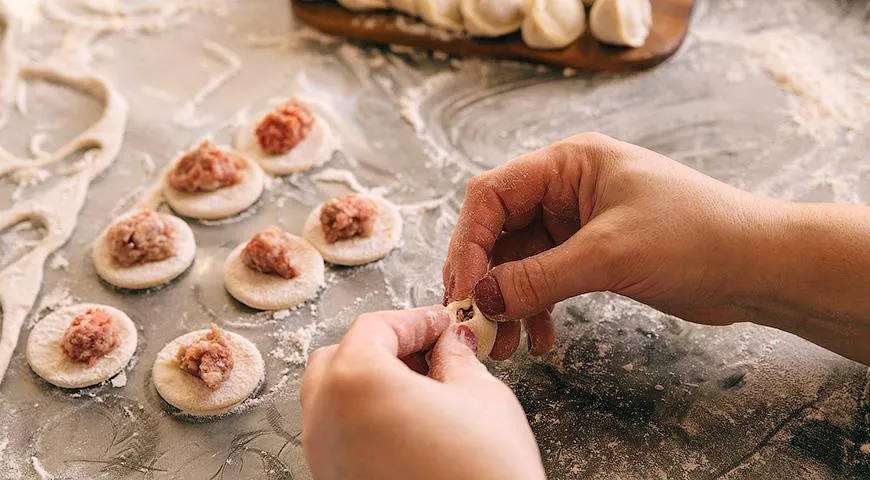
[190, 395]
[484, 329]
[358, 250]
[147, 275]
[273, 292]
[221, 203]
[47, 358]
[314, 150]
[553, 24]
[621, 22]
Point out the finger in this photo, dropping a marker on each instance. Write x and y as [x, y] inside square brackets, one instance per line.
[318, 362]
[549, 177]
[585, 263]
[541, 333]
[531, 240]
[399, 333]
[417, 362]
[454, 358]
[507, 340]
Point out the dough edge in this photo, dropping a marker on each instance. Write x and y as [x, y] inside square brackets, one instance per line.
[484, 329]
[313, 151]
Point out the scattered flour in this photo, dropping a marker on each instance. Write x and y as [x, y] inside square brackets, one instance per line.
[293, 346]
[187, 116]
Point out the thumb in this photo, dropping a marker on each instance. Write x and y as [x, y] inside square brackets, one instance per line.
[454, 357]
[522, 288]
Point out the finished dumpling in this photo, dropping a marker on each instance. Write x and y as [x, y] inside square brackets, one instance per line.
[553, 24]
[360, 5]
[441, 13]
[621, 22]
[405, 6]
[492, 18]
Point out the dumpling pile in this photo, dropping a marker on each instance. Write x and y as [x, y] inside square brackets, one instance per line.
[545, 24]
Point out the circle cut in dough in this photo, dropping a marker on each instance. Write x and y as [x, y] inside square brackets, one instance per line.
[190, 394]
[273, 292]
[221, 203]
[146, 275]
[387, 233]
[484, 329]
[553, 24]
[621, 22]
[48, 359]
[313, 151]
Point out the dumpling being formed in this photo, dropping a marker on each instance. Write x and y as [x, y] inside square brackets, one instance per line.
[441, 13]
[492, 18]
[621, 22]
[553, 24]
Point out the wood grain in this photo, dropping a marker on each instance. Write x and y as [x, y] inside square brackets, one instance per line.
[670, 25]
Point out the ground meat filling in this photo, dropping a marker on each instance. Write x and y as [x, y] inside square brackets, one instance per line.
[142, 238]
[346, 217]
[208, 358]
[284, 128]
[90, 337]
[270, 252]
[206, 169]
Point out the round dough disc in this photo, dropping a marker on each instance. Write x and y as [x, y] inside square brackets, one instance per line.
[190, 395]
[221, 203]
[273, 292]
[314, 150]
[47, 358]
[147, 275]
[358, 250]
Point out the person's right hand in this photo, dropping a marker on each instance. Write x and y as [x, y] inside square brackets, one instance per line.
[592, 213]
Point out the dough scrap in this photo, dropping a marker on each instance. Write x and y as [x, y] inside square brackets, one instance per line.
[147, 275]
[553, 24]
[315, 150]
[484, 329]
[47, 358]
[190, 394]
[221, 203]
[272, 292]
[492, 18]
[358, 250]
[621, 22]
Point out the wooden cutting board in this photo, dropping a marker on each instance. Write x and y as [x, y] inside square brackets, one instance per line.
[670, 25]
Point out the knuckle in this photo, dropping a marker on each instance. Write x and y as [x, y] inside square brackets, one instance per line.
[530, 282]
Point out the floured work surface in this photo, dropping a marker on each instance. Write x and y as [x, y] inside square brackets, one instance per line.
[765, 97]
[670, 25]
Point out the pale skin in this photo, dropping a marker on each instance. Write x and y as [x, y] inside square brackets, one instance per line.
[586, 214]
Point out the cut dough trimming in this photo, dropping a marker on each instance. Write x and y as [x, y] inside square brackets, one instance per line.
[272, 292]
[553, 24]
[146, 275]
[386, 234]
[47, 358]
[621, 22]
[221, 203]
[190, 394]
[484, 329]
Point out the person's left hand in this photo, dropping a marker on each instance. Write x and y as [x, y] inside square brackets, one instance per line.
[369, 415]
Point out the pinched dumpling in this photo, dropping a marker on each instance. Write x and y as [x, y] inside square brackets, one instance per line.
[288, 139]
[621, 22]
[361, 5]
[553, 24]
[144, 249]
[441, 13]
[405, 6]
[211, 183]
[274, 270]
[492, 18]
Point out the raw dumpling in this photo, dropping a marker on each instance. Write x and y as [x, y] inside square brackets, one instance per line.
[485, 330]
[621, 22]
[360, 5]
[553, 24]
[492, 18]
[405, 6]
[441, 13]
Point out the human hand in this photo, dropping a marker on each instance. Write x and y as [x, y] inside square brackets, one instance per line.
[369, 415]
[652, 229]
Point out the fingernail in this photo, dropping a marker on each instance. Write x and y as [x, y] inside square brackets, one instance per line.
[488, 296]
[466, 336]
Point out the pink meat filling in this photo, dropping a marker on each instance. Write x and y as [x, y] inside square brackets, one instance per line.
[347, 217]
[270, 252]
[142, 238]
[284, 128]
[91, 336]
[206, 169]
[208, 358]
